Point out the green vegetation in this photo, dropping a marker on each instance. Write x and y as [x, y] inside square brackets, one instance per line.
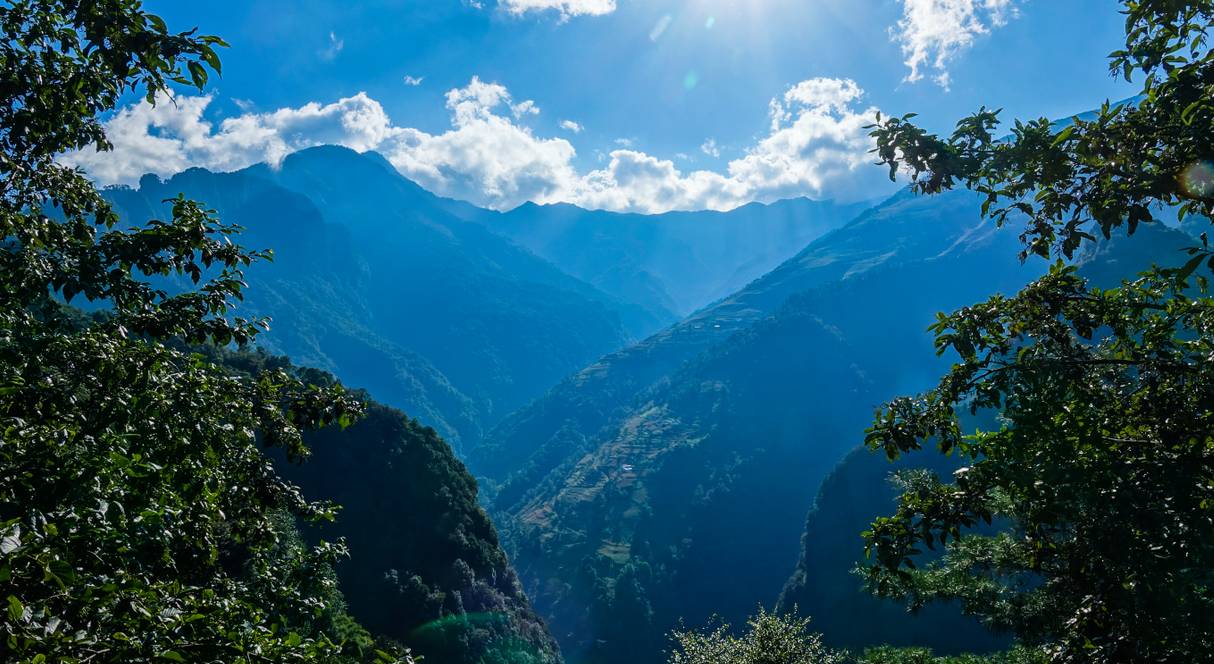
[1102, 465]
[887, 655]
[151, 492]
[824, 586]
[728, 431]
[431, 573]
[152, 501]
[139, 520]
[770, 637]
[785, 638]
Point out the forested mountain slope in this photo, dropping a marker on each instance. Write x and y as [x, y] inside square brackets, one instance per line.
[671, 480]
[544, 434]
[425, 566]
[373, 281]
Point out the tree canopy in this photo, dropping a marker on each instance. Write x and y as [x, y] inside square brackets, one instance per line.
[139, 520]
[1084, 524]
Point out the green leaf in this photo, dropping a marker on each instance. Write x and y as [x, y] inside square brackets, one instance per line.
[1190, 266]
[1186, 115]
[198, 74]
[1063, 136]
[16, 610]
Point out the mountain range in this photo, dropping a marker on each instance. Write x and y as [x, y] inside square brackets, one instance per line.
[652, 405]
[673, 263]
[670, 481]
[419, 299]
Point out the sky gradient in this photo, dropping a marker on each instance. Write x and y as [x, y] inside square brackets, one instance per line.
[643, 105]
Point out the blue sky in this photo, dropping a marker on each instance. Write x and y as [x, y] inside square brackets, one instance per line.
[622, 104]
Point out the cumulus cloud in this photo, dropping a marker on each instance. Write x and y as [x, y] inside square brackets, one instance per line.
[566, 8]
[570, 125]
[933, 32]
[710, 148]
[413, 81]
[174, 135]
[486, 157]
[817, 147]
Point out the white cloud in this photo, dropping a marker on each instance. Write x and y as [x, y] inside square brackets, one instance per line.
[817, 147]
[566, 8]
[484, 157]
[413, 81]
[933, 32]
[570, 125]
[174, 135]
[711, 148]
[524, 108]
[335, 46]
[832, 94]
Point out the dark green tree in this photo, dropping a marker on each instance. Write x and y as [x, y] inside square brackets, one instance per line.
[139, 519]
[1100, 479]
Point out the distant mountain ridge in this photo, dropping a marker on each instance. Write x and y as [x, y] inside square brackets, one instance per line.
[418, 298]
[672, 263]
[886, 234]
[373, 281]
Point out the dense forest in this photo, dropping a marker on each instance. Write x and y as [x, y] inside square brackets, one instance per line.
[690, 429]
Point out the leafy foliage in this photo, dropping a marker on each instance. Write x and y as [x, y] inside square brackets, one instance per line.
[784, 638]
[824, 586]
[1100, 474]
[887, 655]
[1103, 464]
[139, 520]
[770, 638]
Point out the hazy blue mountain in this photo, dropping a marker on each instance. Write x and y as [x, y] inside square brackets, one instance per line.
[675, 475]
[672, 263]
[530, 443]
[374, 281]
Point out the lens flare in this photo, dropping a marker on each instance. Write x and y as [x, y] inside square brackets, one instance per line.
[1198, 180]
[660, 27]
